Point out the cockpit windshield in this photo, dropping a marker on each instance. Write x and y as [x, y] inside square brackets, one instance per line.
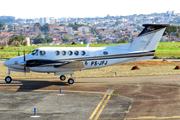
[35, 52]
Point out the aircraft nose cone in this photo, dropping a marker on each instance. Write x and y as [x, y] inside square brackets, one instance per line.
[6, 63]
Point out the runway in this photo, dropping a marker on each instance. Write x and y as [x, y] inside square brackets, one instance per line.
[146, 97]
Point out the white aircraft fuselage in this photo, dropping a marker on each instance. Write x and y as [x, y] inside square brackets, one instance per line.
[66, 60]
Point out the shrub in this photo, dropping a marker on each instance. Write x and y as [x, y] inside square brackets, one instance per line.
[155, 57]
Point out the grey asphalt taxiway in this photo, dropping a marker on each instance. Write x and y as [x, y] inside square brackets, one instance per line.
[56, 106]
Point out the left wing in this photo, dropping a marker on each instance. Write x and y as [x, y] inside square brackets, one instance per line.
[71, 65]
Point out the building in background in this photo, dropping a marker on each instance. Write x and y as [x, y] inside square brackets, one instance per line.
[44, 20]
[53, 20]
[83, 29]
[69, 30]
[28, 41]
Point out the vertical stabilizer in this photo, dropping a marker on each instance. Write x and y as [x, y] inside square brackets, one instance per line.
[149, 38]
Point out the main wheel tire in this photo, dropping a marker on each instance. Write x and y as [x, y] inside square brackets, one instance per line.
[70, 81]
[8, 79]
[62, 77]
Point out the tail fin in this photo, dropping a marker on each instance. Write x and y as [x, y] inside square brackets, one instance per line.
[149, 38]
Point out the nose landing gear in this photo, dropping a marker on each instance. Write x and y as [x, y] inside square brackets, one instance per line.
[8, 79]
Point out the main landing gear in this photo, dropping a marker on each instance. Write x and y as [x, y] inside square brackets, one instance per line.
[70, 80]
[8, 79]
[62, 77]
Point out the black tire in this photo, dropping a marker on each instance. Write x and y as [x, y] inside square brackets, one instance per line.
[8, 79]
[70, 81]
[62, 77]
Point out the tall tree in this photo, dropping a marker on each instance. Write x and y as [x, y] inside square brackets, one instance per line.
[66, 39]
[122, 41]
[170, 29]
[2, 25]
[45, 27]
[37, 25]
[177, 34]
[17, 40]
[62, 25]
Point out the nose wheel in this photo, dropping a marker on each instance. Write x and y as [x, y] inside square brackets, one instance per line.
[8, 79]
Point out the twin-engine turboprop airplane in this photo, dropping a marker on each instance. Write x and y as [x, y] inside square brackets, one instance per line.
[66, 60]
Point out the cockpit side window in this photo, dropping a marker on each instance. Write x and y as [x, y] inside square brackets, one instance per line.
[35, 52]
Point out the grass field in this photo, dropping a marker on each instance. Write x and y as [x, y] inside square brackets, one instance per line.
[168, 49]
[147, 68]
[164, 49]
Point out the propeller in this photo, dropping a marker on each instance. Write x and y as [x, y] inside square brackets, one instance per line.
[24, 62]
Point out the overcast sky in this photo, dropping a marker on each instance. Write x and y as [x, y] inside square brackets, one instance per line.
[84, 8]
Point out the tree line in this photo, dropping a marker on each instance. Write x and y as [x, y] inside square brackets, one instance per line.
[17, 40]
[38, 40]
[172, 29]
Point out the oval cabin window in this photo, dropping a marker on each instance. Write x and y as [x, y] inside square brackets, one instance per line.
[83, 53]
[57, 52]
[70, 52]
[76, 53]
[63, 52]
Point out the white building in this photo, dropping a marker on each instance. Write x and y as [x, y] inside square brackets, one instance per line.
[44, 20]
[83, 29]
[53, 21]
[28, 41]
[70, 30]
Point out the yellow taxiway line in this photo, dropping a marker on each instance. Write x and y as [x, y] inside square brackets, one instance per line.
[100, 111]
[99, 107]
[95, 111]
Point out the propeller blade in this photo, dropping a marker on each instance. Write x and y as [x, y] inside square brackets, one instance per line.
[24, 56]
[25, 62]
[18, 52]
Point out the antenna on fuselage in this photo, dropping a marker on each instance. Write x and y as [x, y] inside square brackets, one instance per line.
[88, 41]
[88, 44]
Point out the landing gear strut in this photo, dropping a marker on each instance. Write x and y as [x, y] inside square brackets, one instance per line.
[62, 77]
[71, 80]
[8, 79]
